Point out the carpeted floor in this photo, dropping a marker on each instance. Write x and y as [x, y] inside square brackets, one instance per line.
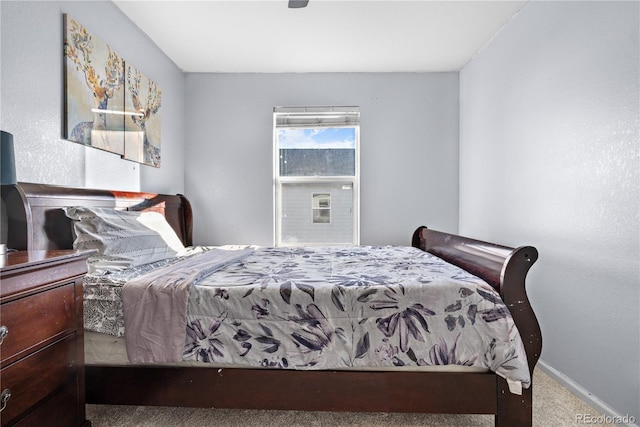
[553, 405]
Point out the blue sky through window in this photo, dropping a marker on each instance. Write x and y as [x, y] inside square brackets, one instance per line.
[317, 138]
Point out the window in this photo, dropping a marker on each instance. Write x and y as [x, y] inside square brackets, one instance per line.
[321, 208]
[316, 175]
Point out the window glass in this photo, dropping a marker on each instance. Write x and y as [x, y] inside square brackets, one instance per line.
[304, 224]
[317, 152]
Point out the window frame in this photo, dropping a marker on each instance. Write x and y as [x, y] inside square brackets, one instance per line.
[279, 180]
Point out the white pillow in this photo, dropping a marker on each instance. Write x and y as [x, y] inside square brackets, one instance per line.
[123, 239]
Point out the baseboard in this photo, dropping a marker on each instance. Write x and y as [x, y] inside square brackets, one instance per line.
[581, 393]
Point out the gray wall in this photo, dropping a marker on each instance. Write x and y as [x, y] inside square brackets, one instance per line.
[408, 154]
[549, 156]
[32, 87]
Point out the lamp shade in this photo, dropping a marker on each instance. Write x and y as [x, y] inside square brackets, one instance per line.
[7, 160]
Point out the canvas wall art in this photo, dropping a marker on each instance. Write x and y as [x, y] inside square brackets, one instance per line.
[109, 104]
[142, 130]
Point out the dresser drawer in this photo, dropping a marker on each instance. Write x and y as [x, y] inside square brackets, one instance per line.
[36, 319]
[58, 410]
[33, 378]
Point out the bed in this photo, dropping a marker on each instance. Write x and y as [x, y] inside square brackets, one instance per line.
[37, 221]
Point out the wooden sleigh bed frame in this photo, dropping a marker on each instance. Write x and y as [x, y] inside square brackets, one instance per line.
[37, 222]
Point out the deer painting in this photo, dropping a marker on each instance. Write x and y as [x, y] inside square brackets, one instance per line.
[95, 76]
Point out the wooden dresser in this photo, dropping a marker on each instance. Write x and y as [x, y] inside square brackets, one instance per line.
[42, 349]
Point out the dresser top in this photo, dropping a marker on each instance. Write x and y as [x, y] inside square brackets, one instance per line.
[27, 259]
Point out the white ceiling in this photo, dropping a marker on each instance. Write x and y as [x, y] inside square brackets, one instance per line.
[265, 36]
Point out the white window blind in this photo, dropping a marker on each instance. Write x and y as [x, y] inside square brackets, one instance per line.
[310, 117]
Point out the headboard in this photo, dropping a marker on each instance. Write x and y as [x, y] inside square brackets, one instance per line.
[36, 221]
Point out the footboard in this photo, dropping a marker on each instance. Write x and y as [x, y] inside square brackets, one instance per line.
[502, 267]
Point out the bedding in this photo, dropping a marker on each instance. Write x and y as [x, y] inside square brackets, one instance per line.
[155, 305]
[103, 349]
[364, 307]
[122, 239]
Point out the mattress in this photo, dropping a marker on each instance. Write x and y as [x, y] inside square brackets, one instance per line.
[360, 307]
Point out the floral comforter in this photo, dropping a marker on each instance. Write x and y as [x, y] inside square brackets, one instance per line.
[375, 307]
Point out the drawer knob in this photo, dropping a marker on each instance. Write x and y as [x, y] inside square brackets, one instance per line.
[4, 331]
[4, 398]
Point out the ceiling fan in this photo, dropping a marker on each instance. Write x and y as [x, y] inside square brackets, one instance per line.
[296, 4]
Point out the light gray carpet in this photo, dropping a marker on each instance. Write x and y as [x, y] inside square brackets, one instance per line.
[553, 405]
